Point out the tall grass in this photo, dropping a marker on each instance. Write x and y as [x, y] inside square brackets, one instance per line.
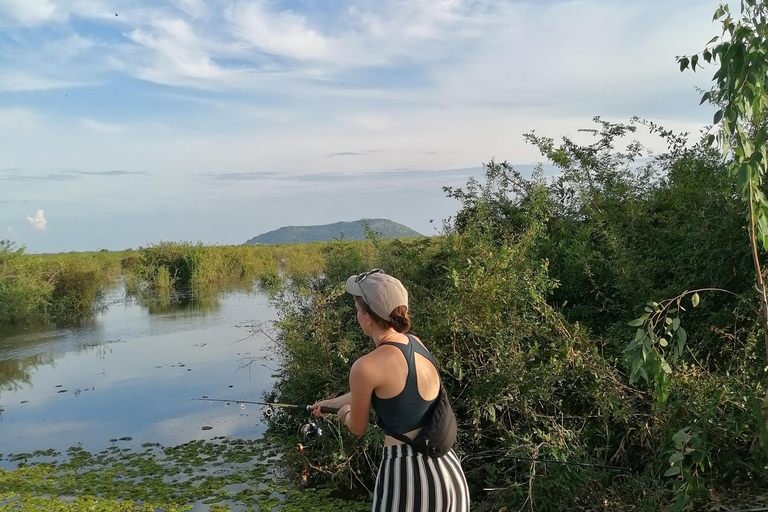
[35, 288]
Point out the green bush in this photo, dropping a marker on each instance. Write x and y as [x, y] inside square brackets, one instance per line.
[525, 301]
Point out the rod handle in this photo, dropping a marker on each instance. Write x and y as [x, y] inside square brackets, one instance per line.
[326, 410]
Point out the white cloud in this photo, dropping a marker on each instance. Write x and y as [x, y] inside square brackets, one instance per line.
[284, 33]
[368, 34]
[98, 126]
[195, 8]
[21, 81]
[38, 220]
[32, 12]
[177, 56]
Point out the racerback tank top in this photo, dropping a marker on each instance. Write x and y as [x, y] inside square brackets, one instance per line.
[406, 411]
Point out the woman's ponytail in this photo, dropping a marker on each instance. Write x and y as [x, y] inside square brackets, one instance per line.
[399, 318]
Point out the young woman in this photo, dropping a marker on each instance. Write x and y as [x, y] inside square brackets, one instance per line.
[400, 379]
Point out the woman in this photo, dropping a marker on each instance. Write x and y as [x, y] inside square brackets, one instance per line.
[400, 379]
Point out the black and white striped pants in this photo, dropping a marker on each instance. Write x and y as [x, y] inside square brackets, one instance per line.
[411, 482]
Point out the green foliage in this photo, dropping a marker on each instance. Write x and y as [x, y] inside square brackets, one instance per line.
[36, 288]
[225, 474]
[526, 299]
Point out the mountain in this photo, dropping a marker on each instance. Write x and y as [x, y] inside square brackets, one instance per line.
[352, 231]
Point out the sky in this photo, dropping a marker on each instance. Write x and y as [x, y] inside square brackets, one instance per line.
[128, 122]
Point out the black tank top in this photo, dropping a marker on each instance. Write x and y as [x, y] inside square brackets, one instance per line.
[406, 411]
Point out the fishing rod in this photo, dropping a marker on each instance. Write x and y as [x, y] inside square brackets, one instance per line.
[323, 409]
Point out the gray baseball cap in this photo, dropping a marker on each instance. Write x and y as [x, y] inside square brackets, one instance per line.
[382, 292]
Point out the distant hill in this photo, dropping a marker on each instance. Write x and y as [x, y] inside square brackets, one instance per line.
[352, 231]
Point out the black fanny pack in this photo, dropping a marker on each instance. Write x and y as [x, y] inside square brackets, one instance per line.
[438, 435]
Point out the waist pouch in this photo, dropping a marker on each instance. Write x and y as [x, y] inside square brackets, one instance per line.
[438, 435]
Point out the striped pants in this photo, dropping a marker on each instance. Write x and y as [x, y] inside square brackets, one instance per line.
[411, 482]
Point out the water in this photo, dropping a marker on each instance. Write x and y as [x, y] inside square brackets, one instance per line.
[131, 372]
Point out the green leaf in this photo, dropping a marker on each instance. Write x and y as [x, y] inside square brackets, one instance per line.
[675, 457]
[684, 63]
[663, 342]
[676, 323]
[707, 55]
[639, 321]
[762, 223]
[673, 471]
[718, 117]
[694, 61]
[682, 436]
[705, 97]
[718, 14]
[695, 300]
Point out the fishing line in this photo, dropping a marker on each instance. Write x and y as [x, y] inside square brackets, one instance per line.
[241, 403]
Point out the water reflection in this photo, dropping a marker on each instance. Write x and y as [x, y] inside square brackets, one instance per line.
[15, 372]
[131, 371]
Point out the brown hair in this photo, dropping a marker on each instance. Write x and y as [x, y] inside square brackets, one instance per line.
[398, 319]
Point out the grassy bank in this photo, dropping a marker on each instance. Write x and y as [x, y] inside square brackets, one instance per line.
[526, 301]
[39, 288]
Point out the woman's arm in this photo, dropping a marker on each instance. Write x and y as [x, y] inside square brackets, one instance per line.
[337, 403]
[363, 379]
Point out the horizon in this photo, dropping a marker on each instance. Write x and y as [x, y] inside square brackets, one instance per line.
[132, 122]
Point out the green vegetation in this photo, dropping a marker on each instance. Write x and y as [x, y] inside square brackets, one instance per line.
[527, 301]
[354, 230]
[41, 287]
[54, 287]
[225, 474]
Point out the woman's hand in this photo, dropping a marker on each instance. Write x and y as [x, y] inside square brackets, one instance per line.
[342, 414]
[315, 408]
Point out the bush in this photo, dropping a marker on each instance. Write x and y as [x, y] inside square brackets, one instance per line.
[525, 301]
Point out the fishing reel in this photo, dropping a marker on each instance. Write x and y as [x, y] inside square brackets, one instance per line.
[311, 431]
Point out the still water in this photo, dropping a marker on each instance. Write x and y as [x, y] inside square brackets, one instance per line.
[131, 371]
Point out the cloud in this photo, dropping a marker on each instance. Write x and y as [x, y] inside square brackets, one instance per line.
[355, 153]
[21, 81]
[98, 126]
[175, 55]
[285, 33]
[242, 176]
[38, 220]
[11, 232]
[32, 12]
[46, 177]
[106, 173]
[195, 8]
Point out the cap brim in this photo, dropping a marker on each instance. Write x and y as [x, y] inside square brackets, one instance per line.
[353, 287]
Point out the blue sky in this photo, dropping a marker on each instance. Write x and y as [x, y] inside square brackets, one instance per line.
[128, 122]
